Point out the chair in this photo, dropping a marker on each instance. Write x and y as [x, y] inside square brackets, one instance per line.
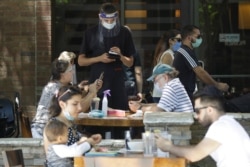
[13, 158]
[25, 126]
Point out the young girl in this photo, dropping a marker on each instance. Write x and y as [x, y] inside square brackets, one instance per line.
[65, 107]
[59, 154]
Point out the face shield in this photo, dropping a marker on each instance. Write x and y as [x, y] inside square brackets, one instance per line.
[109, 25]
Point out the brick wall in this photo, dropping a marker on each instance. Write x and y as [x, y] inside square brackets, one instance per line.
[25, 47]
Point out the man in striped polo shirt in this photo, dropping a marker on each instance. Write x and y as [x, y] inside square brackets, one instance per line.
[174, 96]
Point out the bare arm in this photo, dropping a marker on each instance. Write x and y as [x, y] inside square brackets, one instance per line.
[138, 78]
[46, 143]
[126, 60]
[192, 153]
[167, 59]
[136, 105]
[207, 79]
[93, 89]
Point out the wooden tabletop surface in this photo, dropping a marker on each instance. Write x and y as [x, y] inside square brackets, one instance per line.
[126, 121]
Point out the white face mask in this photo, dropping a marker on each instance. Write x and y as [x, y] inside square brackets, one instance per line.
[68, 116]
[109, 26]
[157, 87]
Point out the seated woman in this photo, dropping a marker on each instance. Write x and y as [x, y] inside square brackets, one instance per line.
[174, 96]
[59, 154]
[61, 75]
[65, 107]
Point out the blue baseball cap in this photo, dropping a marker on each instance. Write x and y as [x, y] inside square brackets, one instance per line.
[160, 69]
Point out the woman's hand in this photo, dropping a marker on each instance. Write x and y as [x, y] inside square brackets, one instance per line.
[94, 87]
[83, 85]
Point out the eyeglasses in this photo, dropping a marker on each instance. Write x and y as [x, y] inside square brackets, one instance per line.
[197, 110]
[177, 39]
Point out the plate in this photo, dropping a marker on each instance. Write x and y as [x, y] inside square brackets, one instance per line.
[123, 151]
[135, 151]
[105, 154]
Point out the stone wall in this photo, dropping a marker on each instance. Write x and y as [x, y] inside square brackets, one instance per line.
[33, 151]
[183, 128]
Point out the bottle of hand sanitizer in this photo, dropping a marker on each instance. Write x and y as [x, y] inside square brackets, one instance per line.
[105, 102]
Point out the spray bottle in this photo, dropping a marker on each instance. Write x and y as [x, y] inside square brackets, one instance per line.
[105, 102]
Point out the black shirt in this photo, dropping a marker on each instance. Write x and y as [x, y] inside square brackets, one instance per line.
[184, 62]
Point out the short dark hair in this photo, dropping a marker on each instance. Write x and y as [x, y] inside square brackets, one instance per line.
[54, 128]
[169, 35]
[108, 8]
[217, 102]
[188, 30]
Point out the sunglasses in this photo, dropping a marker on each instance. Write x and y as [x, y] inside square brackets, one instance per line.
[177, 39]
[199, 36]
[197, 110]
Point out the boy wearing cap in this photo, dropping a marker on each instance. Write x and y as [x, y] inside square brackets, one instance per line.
[174, 96]
[226, 141]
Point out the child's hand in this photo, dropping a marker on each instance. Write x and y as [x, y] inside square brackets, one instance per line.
[83, 139]
[96, 138]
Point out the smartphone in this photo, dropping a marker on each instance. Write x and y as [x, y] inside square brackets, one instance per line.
[113, 55]
[101, 76]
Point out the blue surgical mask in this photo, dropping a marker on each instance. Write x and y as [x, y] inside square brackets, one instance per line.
[197, 42]
[176, 46]
[109, 26]
[68, 116]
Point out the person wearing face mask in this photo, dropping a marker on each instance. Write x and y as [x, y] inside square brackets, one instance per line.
[108, 36]
[98, 41]
[174, 96]
[187, 64]
[65, 107]
[172, 42]
[61, 75]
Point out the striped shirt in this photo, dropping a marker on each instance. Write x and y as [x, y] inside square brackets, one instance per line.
[175, 98]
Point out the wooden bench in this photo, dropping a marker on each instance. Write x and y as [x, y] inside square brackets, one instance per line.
[129, 161]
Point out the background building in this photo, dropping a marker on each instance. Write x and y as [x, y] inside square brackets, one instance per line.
[34, 32]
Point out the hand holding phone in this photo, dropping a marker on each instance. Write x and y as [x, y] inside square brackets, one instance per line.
[101, 76]
[113, 55]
